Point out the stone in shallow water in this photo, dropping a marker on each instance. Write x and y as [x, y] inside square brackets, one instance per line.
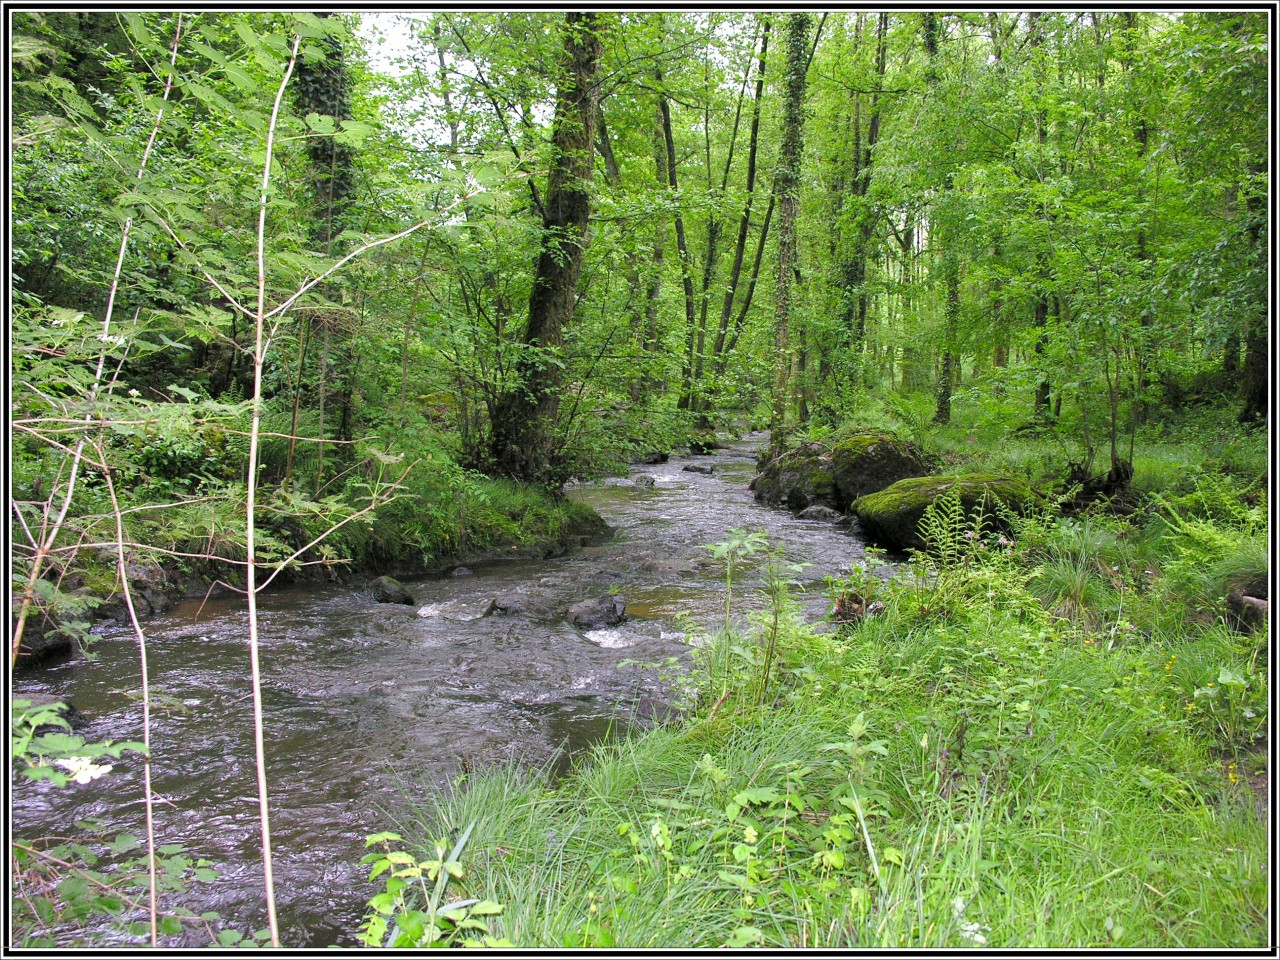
[610, 638]
[459, 610]
[389, 590]
[819, 512]
[606, 611]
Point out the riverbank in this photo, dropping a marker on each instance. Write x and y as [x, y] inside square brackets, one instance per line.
[1055, 738]
[492, 519]
[975, 766]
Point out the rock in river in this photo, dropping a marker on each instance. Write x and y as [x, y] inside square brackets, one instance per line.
[606, 611]
[819, 512]
[835, 475]
[389, 590]
[460, 610]
[892, 516]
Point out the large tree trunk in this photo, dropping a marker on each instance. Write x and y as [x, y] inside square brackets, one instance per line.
[524, 422]
[1040, 407]
[322, 87]
[787, 187]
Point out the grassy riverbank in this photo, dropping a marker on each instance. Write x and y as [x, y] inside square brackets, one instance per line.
[1050, 738]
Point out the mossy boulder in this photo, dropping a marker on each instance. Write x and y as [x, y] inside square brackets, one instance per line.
[892, 516]
[868, 462]
[834, 475]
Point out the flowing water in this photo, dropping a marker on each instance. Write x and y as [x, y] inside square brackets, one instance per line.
[371, 706]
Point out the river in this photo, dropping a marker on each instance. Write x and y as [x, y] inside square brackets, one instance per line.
[371, 706]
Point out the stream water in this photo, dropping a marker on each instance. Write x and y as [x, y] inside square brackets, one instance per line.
[371, 706]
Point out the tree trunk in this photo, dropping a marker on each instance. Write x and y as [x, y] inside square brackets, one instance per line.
[322, 87]
[854, 268]
[947, 375]
[524, 425]
[787, 187]
[630, 258]
[648, 382]
[682, 245]
[739, 250]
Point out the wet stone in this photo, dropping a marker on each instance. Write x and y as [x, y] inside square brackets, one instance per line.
[462, 611]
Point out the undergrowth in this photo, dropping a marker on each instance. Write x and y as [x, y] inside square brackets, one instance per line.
[1014, 751]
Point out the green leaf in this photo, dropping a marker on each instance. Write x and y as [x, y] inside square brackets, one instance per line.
[744, 937]
[170, 926]
[229, 938]
[240, 78]
[754, 795]
[353, 133]
[321, 124]
[1230, 678]
[671, 804]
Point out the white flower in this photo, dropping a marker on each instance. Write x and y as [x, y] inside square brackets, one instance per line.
[83, 769]
[971, 931]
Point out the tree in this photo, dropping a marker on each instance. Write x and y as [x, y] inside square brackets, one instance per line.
[524, 421]
[787, 187]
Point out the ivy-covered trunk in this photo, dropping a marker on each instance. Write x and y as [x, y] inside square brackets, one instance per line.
[524, 418]
[787, 186]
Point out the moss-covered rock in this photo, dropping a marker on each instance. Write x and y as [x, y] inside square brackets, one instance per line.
[892, 516]
[868, 462]
[834, 475]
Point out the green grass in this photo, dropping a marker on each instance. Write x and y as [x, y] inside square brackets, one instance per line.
[968, 768]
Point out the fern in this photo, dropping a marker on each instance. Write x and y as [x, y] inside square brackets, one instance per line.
[949, 534]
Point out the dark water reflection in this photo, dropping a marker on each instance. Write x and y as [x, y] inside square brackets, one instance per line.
[369, 705]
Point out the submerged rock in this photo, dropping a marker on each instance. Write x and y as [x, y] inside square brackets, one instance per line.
[606, 611]
[705, 443]
[697, 468]
[462, 611]
[833, 476]
[389, 590]
[68, 711]
[892, 516]
[819, 512]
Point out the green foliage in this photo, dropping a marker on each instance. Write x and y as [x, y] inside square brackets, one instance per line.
[93, 890]
[39, 751]
[413, 914]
